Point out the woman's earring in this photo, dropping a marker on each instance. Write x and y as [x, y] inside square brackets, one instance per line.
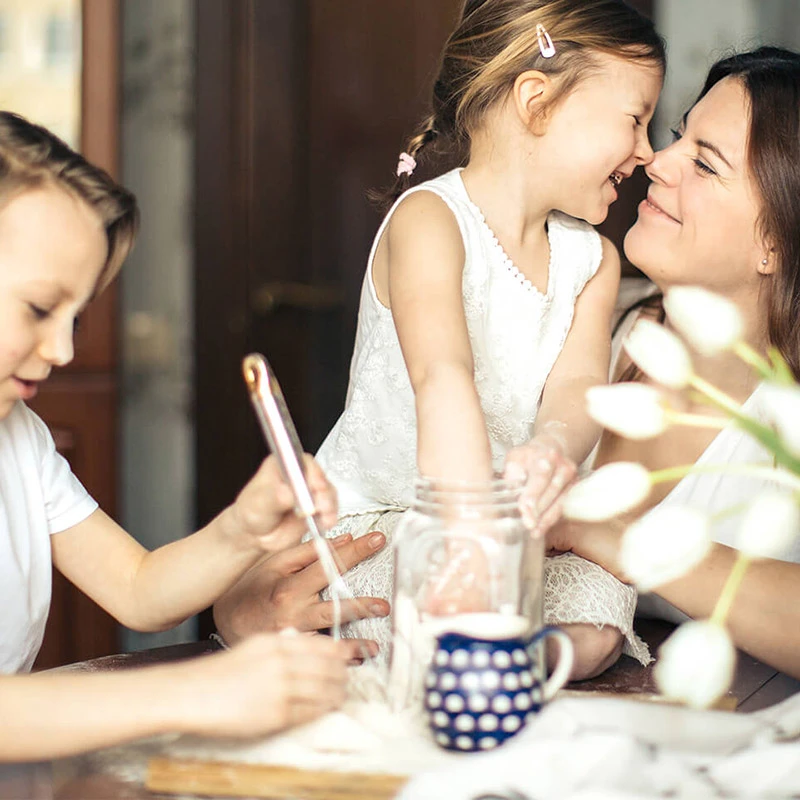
[765, 261]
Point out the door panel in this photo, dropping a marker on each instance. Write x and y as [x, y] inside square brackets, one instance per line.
[79, 403]
[302, 107]
[81, 413]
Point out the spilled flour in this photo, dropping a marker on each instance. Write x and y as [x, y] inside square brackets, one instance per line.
[365, 737]
[362, 737]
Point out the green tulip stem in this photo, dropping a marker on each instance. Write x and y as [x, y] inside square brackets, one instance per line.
[778, 476]
[732, 584]
[754, 359]
[716, 396]
[696, 420]
[760, 432]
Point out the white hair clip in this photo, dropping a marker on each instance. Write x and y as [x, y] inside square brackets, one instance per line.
[546, 46]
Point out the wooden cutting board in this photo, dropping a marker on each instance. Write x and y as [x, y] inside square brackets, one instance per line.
[226, 779]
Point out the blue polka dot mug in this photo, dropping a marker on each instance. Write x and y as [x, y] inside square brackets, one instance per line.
[480, 690]
[467, 614]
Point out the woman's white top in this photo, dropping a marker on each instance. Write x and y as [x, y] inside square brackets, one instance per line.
[722, 496]
[516, 333]
[39, 496]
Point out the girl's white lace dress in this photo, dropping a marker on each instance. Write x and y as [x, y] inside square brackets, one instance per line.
[516, 333]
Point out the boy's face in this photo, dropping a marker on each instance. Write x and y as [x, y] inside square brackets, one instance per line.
[52, 250]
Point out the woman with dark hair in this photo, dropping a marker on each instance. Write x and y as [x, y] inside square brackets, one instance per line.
[723, 212]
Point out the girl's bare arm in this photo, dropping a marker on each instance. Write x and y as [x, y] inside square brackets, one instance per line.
[426, 260]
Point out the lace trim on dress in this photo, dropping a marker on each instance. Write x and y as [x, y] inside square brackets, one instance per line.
[506, 259]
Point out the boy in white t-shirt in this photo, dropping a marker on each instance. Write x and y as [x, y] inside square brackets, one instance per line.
[65, 229]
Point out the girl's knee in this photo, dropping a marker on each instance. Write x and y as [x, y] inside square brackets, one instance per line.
[596, 649]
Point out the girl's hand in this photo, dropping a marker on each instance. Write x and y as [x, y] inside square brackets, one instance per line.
[263, 514]
[547, 473]
[283, 591]
[265, 684]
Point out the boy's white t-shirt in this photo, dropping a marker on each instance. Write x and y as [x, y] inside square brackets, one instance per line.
[39, 496]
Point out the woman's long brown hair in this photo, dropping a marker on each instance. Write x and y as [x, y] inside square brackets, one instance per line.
[771, 78]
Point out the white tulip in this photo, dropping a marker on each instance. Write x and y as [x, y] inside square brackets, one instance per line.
[664, 545]
[607, 492]
[659, 353]
[695, 665]
[769, 525]
[781, 406]
[632, 410]
[709, 322]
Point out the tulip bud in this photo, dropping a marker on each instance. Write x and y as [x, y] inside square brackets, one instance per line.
[632, 410]
[695, 665]
[659, 354]
[664, 545]
[781, 407]
[709, 322]
[607, 492]
[769, 526]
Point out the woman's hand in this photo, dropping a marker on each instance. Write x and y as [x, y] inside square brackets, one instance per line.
[547, 472]
[282, 591]
[263, 514]
[263, 685]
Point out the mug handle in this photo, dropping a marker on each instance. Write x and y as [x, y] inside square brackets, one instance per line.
[566, 656]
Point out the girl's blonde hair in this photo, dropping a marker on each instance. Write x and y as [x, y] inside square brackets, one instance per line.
[31, 157]
[498, 40]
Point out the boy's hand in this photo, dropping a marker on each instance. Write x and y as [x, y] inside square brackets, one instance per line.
[265, 684]
[263, 514]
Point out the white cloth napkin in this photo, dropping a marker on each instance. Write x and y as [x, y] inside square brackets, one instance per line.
[593, 749]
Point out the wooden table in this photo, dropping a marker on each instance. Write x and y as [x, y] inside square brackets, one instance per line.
[755, 686]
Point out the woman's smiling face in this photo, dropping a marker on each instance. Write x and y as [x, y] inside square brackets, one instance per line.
[699, 223]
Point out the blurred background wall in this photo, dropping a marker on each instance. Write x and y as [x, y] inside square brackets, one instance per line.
[156, 308]
[250, 131]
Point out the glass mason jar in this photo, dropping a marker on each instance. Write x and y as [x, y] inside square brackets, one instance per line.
[465, 562]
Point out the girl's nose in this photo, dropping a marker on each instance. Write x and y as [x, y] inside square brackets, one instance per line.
[661, 167]
[57, 346]
[644, 150]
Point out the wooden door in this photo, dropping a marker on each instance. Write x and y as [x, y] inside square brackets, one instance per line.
[79, 402]
[301, 107]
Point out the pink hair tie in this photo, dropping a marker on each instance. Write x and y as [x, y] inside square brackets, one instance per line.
[406, 165]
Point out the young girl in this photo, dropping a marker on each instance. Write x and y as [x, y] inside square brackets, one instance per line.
[485, 311]
[65, 229]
